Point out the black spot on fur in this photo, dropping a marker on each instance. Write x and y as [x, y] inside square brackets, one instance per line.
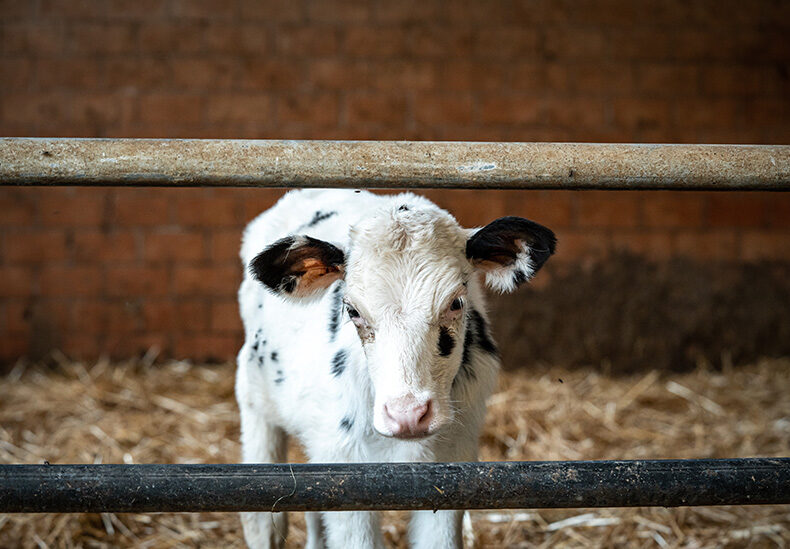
[273, 356]
[466, 371]
[255, 346]
[403, 208]
[498, 242]
[346, 424]
[339, 362]
[280, 378]
[484, 341]
[318, 217]
[446, 342]
[260, 361]
[336, 312]
[278, 266]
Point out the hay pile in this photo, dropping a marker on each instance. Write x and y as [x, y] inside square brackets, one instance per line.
[136, 412]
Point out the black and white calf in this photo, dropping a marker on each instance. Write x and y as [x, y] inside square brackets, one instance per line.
[366, 338]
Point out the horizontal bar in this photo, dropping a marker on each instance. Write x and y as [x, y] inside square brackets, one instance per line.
[391, 164]
[380, 486]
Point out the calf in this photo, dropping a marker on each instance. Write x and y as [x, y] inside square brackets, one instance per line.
[366, 338]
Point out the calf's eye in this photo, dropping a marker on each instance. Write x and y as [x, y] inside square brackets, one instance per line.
[456, 304]
[352, 312]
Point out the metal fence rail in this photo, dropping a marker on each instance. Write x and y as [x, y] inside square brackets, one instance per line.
[391, 164]
[379, 486]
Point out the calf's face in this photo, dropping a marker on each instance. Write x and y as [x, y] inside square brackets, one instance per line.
[408, 274]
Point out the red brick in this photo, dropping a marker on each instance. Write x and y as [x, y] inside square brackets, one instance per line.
[171, 108]
[145, 207]
[256, 201]
[366, 108]
[17, 316]
[337, 74]
[208, 346]
[206, 281]
[206, 211]
[778, 213]
[266, 74]
[707, 245]
[506, 42]
[123, 346]
[550, 208]
[70, 281]
[667, 79]
[239, 108]
[18, 207]
[706, 113]
[340, 11]
[30, 109]
[37, 246]
[122, 317]
[200, 73]
[35, 39]
[313, 41]
[609, 79]
[104, 247]
[732, 80]
[579, 113]
[444, 109]
[78, 73]
[132, 281]
[643, 43]
[17, 281]
[225, 317]
[13, 9]
[17, 73]
[441, 42]
[376, 42]
[543, 77]
[80, 346]
[272, 10]
[85, 209]
[652, 245]
[581, 245]
[174, 246]
[668, 209]
[72, 9]
[566, 43]
[102, 37]
[202, 9]
[136, 73]
[225, 245]
[765, 245]
[236, 38]
[137, 9]
[170, 37]
[510, 110]
[13, 347]
[90, 315]
[98, 112]
[737, 210]
[632, 113]
[175, 316]
[607, 209]
[316, 109]
[462, 75]
[410, 11]
[415, 75]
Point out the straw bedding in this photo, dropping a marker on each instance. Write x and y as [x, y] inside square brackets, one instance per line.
[136, 412]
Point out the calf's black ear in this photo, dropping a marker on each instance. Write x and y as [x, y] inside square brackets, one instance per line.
[510, 250]
[298, 266]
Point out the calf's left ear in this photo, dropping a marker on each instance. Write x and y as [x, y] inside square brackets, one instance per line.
[510, 250]
[298, 266]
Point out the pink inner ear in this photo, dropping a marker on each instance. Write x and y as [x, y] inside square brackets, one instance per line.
[317, 275]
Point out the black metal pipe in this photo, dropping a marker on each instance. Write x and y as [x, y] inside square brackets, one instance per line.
[379, 486]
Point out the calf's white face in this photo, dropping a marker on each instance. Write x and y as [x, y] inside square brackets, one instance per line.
[408, 269]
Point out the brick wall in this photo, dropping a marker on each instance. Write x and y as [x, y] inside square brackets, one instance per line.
[121, 270]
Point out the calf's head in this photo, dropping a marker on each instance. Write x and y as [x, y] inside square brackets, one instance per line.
[409, 290]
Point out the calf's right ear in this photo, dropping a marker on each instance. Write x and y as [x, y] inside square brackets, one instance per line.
[298, 266]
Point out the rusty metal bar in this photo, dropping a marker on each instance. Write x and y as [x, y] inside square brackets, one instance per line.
[391, 164]
[379, 486]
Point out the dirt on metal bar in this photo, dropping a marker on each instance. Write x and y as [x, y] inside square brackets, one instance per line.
[391, 164]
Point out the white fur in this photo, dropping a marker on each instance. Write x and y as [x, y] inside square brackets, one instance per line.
[403, 268]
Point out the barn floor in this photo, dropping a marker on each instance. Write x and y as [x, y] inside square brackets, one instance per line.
[180, 413]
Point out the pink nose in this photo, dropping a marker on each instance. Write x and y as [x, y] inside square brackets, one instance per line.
[406, 417]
